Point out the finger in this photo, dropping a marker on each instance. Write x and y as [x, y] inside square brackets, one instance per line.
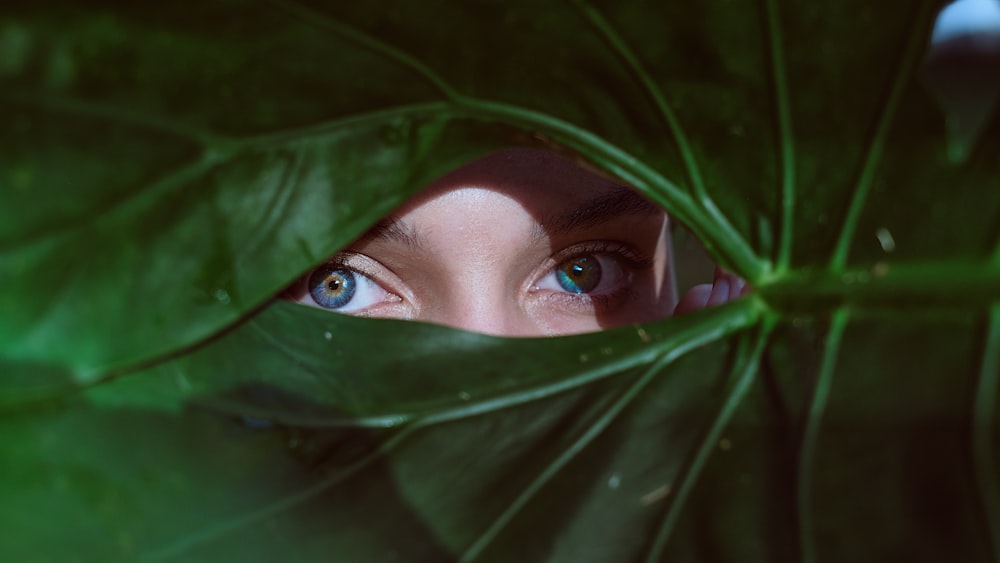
[720, 288]
[737, 285]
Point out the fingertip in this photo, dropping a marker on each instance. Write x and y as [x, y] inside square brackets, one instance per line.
[720, 291]
[696, 298]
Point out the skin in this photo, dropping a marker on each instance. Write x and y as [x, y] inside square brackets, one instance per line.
[481, 249]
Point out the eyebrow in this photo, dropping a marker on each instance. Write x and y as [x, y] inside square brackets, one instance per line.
[392, 230]
[621, 201]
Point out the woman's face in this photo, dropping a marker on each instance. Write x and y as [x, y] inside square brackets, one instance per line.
[518, 243]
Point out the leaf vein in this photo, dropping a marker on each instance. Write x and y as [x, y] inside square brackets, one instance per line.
[714, 232]
[211, 533]
[985, 463]
[651, 88]
[564, 458]
[746, 368]
[709, 211]
[115, 113]
[911, 56]
[810, 434]
[312, 17]
[134, 197]
[786, 136]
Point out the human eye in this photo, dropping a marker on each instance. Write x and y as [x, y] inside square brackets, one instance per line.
[592, 274]
[345, 284]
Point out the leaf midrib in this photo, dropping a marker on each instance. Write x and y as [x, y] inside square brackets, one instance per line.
[960, 284]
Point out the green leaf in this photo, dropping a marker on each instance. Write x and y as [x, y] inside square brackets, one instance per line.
[167, 169]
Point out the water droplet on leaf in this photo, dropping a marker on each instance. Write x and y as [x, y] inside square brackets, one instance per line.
[885, 239]
[614, 481]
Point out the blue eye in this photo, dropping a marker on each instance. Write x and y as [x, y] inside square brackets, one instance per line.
[580, 274]
[332, 287]
[338, 286]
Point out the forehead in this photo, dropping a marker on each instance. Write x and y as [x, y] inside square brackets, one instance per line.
[541, 181]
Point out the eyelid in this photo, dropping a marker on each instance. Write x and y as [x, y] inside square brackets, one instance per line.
[368, 266]
[634, 260]
[361, 264]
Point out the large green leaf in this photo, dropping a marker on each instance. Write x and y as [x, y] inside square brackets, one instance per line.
[167, 168]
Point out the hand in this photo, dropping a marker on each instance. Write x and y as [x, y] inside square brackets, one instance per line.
[725, 287]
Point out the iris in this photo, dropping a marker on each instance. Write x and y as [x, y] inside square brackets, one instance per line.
[332, 287]
[580, 274]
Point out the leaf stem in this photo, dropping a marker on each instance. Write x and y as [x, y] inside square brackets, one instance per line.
[942, 284]
[810, 435]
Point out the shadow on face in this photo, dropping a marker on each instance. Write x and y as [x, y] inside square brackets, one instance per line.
[522, 242]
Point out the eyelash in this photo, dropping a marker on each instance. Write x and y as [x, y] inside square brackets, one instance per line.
[628, 259]
[633, 260]
[354, 263]
[623, 254]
